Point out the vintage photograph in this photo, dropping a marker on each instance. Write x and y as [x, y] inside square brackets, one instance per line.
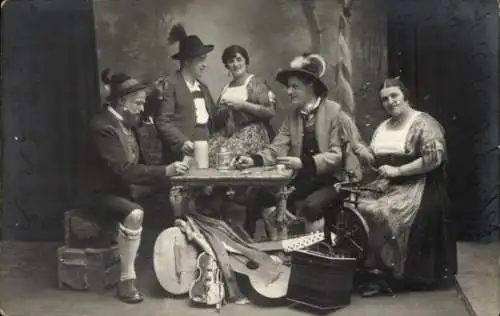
[262, 157]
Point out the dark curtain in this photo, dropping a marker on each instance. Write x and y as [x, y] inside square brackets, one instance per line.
[447, 54]
[49, 90]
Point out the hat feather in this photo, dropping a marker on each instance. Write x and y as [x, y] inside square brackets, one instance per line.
[305, 59]
[177, 33]
[298, 62]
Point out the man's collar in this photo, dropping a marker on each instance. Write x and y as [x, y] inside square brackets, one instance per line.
[117, 115]
[195, 86]
[310, 107]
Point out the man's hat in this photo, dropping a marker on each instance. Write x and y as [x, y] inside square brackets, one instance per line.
[312, 66]
[190, 46]
[120, 84]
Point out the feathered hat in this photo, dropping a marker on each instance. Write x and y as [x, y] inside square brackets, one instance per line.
[120, 84]
[190, 46]
[312, 66]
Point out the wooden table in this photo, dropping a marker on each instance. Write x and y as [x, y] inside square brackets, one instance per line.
[261, 176]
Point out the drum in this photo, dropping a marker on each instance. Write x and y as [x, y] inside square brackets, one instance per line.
[174, 261]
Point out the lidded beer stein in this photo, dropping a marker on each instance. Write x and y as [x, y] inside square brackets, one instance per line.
[223, 159]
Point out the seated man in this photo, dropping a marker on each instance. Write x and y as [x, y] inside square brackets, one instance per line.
[113, 165]
[309, 140]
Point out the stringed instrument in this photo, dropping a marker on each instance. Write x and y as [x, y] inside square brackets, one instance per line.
[278, 287]
[174, 261]
[208, 286]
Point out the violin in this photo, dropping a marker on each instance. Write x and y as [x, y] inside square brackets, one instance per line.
[208, 287]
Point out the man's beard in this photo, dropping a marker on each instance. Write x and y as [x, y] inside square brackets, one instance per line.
[131, 120]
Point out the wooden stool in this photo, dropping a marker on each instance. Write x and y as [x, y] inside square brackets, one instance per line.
[89, 260]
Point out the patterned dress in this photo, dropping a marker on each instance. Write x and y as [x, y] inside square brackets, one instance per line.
[241, 132]
[410, 231]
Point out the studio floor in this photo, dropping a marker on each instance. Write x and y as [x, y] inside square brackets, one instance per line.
[29, 288]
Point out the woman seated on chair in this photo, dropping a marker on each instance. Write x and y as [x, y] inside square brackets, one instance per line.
[411, 244]
[242, 123]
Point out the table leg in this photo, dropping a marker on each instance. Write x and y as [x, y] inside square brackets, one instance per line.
[281, 216]
[177, 199]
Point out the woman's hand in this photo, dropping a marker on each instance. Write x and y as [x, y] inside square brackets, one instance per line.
[231, 103]
[366, 156]
[290, 162]
[388, 171]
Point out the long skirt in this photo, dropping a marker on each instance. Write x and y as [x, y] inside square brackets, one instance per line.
[411, 231]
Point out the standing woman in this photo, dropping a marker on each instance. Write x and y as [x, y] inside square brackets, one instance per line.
[411, 243]
[244, 108]
[241, 124]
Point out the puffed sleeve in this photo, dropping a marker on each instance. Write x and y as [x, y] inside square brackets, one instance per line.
[431, 144]
[261, 94]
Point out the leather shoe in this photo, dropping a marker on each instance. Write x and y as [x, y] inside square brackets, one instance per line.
[128, 293]
[376, 288]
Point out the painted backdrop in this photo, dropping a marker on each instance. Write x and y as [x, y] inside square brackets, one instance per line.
[132, 37]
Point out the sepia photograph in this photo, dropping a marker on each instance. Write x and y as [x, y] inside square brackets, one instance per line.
[261, 157]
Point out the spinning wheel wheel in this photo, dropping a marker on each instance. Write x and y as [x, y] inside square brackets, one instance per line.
[350, 228]
[351, 232]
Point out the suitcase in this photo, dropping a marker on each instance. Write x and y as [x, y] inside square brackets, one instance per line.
[88, 269]
[321, 281]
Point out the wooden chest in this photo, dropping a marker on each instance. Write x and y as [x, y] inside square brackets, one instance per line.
[85, 230]
[321, 281]
[88, 269]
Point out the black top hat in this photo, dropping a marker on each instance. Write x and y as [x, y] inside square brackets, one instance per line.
[189, 46]
[120, 84]
[312, 66]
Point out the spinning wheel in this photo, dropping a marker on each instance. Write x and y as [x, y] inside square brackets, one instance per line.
[343, 219]
[349, 226]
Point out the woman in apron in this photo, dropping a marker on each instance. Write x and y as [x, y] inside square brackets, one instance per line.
[411, 244]
[242, 124]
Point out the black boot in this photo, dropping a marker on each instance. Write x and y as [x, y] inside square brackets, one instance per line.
[375, 283]
[128, 293]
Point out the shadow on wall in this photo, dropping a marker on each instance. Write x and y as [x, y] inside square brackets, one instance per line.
[132, 36]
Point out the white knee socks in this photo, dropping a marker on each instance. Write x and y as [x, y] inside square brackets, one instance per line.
[128, 245]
